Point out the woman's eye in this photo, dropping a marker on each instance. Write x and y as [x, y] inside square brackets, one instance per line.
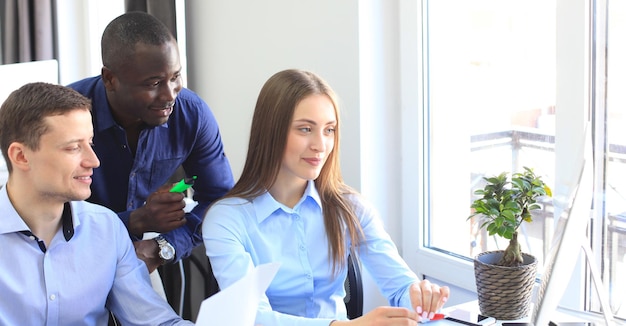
[305, 129]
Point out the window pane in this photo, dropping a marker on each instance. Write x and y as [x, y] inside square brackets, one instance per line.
[616, 162]
[490, 91]
[491, 97]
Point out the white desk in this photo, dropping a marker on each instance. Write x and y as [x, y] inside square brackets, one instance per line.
[470, 306]
[561, 315]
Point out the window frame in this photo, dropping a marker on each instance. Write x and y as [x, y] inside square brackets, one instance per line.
[572, 78]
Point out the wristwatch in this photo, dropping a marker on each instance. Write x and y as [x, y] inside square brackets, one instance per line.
[166, 251]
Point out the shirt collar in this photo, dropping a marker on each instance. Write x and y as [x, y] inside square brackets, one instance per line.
[265, 205]
[103, 119]
[12, 222]
[68, 221]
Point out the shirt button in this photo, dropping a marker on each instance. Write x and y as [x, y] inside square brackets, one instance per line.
[308, 276]
[32, 237]
[302, 247]
[53, 297]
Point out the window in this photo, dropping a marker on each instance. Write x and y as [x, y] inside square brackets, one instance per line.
[494, 72]
[508, 84]
[611, 233]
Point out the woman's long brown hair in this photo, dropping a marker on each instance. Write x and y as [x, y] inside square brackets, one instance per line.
[268, 138]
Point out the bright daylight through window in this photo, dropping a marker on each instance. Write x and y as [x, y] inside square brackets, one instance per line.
[490, 89]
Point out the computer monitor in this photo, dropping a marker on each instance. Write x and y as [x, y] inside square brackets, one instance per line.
[565, 250]
[569, 238]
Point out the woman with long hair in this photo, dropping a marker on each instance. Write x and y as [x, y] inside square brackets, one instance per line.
[292, 206]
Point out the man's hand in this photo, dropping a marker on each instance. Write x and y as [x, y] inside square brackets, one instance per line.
[148, 251]
[162, 212]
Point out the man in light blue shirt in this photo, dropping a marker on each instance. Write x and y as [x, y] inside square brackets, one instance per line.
[64, 261]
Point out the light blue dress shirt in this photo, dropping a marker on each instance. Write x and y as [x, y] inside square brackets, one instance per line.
[240, 234]
[89, 266]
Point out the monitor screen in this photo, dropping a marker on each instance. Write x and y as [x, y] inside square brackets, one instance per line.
[566, 246]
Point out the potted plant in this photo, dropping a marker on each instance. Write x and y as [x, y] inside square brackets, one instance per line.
[505, 278]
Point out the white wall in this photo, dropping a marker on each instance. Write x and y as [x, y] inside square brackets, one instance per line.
[234, 46]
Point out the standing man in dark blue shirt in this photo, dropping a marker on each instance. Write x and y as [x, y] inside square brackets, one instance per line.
[146, 125]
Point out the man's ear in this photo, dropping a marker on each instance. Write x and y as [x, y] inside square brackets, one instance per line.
[108, 77]
[17, 156]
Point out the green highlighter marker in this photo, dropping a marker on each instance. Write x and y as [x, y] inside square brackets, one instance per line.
[183, 184]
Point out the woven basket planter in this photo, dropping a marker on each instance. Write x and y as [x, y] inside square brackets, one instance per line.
[504, 292]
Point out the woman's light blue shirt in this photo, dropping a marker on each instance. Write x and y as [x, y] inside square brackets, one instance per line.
[240, 234]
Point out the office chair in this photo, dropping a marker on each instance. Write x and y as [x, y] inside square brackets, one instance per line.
[212, 286]
[353, 285]
[354, 289]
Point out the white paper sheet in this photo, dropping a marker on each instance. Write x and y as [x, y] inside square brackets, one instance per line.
[237, 304]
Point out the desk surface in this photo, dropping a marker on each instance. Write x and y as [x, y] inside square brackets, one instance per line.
[469, 306]
[561, 315]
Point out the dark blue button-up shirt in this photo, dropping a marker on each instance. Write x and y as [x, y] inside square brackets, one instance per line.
[190, 138]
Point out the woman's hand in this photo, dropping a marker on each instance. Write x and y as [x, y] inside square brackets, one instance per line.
[383, 316]
[427, 298]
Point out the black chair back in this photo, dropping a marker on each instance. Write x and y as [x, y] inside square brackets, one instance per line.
[354, 289]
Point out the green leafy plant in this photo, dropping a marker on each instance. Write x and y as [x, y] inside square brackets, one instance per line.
[504, 205]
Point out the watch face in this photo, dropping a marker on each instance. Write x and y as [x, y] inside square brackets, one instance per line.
[167, 252]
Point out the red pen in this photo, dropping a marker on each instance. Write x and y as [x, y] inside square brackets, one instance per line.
[435, 317]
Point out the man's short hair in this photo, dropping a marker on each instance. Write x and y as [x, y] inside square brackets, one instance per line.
[22, 113]
[124, 32]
